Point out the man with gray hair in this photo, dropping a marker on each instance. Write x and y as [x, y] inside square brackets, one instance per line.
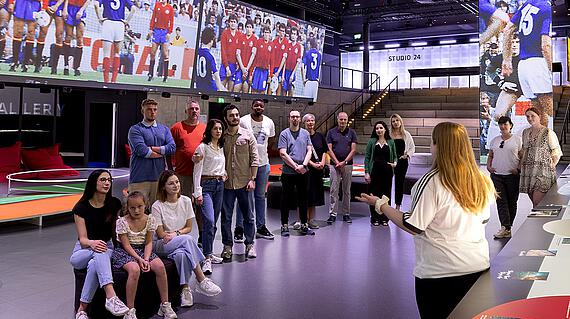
[341, 141]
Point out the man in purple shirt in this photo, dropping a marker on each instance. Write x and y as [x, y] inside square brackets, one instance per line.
[341, 141]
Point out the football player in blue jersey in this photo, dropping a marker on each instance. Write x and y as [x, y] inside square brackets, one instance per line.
[24, 15]
[207, 73]
[113, 32]
[533, 21]
[492, 18]
[311, 69]
[55, 10]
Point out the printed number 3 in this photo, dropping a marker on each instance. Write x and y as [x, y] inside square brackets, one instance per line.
[314, 61]
[115, 4]
[527, 22]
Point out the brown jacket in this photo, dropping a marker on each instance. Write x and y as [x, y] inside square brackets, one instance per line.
[241, 154]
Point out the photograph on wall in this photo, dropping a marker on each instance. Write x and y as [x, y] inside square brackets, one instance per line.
[100, 42]
[516, 64]
[244, 49]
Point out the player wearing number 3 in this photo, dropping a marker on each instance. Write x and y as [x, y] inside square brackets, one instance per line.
[311, 69]
[161, 25]
[207, 75]
[113, 32]
[533, 20]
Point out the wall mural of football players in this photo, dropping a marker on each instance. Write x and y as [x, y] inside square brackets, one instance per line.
[267, 54]
[6, 10]
[516, 64]
[25, 12]
[55, 9]
[74, 15]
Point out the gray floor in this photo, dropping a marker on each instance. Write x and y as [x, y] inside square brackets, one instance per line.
[345, 271]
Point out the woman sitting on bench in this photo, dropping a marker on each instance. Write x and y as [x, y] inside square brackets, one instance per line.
[95, 215]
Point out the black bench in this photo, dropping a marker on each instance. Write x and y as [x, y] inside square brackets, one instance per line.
[449, 72]
[147, 299]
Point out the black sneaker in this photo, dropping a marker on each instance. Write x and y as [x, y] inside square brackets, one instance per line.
[331, 219]
[346, 218]
[263, 232]
[305, 230]
[150, 77]
[13, 67]
[53, 71]
[238, 235]
[76, 72]
[65, 71]
[37, 69]
[285, 230]
[24, 68]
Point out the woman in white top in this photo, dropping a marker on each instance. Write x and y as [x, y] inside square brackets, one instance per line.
[209, 176]
[503, 164]
[449, 212]
[405, 148]
[173, 214]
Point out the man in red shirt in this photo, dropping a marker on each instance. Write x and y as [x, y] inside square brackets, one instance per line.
[187, 135]
[161, 24]
[294, 54]
[74, 17]
[278, 56]
[245, 55]
[229, 42]
[262, 63]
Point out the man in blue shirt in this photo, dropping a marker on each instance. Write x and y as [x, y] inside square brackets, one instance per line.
[295, 148]
[534, 23]
[150, 143]
[311, 69]
[341, 141]
[207, 73]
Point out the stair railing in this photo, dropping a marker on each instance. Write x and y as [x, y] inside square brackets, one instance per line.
[360, 112]
[565, 125]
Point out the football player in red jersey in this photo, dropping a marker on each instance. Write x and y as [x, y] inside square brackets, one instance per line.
[161, 25]
[74, 16]
[245, 55]
[278, 57]
[294, 54]
[229, 42]
[262, 63]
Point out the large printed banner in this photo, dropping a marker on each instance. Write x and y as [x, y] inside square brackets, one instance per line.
[516, 64]
[244, 49]
[71, 44]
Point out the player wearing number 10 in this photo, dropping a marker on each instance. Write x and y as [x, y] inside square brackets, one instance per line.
[533, 20]
[113, 32]
[311, 69]
[207, 75]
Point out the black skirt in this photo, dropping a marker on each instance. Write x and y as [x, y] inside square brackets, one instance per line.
[316, 190]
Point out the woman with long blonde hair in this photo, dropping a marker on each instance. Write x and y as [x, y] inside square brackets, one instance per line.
[405, 148]
[448, 215]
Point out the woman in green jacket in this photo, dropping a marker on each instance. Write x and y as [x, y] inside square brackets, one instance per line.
[379, 162]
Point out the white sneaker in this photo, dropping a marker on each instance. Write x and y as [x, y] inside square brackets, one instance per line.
[208, 288]
[116, 307]
[81, 315]
[250, 251]
[132, 314]
[207, 267]
[215, 259]
[503, 233]
[166, 311]
[186, 298]
[297, 225]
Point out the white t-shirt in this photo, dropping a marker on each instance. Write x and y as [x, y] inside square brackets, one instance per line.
[262, 131]
[452, 241]
[506, 158]
[173, 216]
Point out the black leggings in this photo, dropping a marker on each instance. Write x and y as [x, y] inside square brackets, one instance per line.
[289, 182]
[399, 176]
[437, 297]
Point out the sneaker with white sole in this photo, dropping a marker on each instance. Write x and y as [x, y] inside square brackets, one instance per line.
[503, 233]
[207, 267]
[186, 298]
[250, 251]
[227, 253]
[166, 311]
[238, 235]
[216, 260]
[115, 306]
[263, 232]
[208, 288]
[132, 314]
[81, 315]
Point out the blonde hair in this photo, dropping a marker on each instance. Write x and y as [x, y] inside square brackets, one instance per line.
[401, 130]
[458, 171]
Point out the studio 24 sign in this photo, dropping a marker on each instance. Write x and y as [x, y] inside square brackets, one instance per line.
[404, 57]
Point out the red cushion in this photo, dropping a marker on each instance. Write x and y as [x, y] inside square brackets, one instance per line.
[46, 158]
[10, 160]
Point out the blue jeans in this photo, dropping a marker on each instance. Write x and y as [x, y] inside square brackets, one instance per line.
[213, 194]
[98, 267]
[185, 253]
[242, 196]
[259, 195]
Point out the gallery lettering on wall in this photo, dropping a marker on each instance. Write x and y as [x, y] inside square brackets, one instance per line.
[42, 109]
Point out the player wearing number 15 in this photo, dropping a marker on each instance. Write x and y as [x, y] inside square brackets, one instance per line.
[534, 23]
[161, 24]
[113, 32]
[207, 75]
[311, 69]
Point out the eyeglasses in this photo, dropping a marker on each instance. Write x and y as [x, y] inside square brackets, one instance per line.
[106, 179]
[502, 144]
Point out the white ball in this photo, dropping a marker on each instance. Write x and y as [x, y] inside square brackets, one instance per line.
[42, 18]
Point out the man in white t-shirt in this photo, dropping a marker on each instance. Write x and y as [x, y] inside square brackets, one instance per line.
[503, 164]
[262, 128]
